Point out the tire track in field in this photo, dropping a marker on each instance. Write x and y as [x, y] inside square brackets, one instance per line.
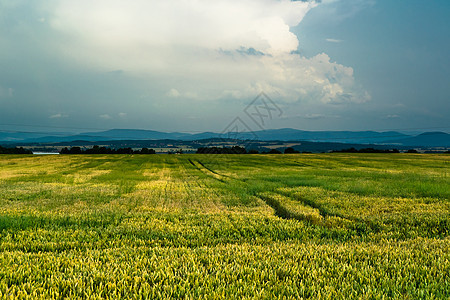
[196, 191]
[281, 209]
[207, 171]
[323, 211]
[355, 223]
[202, 184]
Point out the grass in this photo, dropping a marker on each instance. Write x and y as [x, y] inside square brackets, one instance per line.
[313, 226]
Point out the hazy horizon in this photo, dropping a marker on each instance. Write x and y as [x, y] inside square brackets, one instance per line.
[77, 131]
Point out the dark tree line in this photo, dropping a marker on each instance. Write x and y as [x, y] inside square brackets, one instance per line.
[290, 150]
[104, 150]
[223, 150]
[239, 150]
[367, 150]
[15, 150]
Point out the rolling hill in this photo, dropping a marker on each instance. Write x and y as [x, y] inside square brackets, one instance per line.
[427, 139]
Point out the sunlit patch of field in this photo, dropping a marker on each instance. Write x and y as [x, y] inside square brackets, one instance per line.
[359, 206]
[318, 226]
[85, 176]
[18, 167]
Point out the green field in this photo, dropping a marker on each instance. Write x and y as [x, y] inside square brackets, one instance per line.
[331, 226]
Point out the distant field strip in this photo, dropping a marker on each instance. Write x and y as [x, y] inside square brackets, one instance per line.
[311, 226]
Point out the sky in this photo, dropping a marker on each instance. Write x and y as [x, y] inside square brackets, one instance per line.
[197, 65]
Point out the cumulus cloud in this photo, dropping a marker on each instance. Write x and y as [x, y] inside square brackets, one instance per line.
[148, 25]
[333, 40]
[105, 117]
[173, 93]
[214, 49]
[189, 50]
[58, 116]
[391, 117]
[314, 116]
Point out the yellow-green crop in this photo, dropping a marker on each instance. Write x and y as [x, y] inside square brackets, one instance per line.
[318, 226]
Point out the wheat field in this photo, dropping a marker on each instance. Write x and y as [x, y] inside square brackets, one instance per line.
[311, 226]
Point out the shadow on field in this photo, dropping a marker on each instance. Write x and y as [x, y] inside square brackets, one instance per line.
[18, 223]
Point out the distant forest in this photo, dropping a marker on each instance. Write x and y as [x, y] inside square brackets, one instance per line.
[104, 150]
[14, 150]
[372, 150]
[202, 150]
[213, 150]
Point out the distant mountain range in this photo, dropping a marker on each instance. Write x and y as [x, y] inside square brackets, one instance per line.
[428, 139]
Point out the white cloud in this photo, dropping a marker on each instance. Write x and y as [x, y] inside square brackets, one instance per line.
[58, 116]
[333, 40]
[105, 117]
[122, 115]
[212, 50]
[148, 25]
[173, 93]
[391, 117]
[314, 116]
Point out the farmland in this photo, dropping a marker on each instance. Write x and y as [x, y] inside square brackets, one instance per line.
[225, 226]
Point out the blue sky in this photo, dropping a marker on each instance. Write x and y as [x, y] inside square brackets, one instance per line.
[399, 52]
[194, 65]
